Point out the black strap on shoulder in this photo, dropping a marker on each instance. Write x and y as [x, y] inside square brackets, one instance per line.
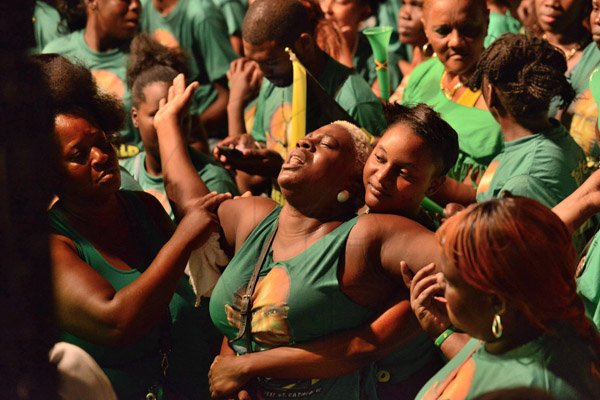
[245, 330]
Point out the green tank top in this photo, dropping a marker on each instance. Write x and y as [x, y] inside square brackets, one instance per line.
[295, 300]
[132, 369]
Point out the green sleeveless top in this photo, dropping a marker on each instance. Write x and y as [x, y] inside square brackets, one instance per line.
[295, 300]
[479, 135]
[132, 369]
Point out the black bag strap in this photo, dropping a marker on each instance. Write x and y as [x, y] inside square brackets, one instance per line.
[245, 330]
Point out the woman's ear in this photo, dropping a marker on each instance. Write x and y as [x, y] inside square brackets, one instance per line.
[435, 184]
[92, 4]
[134, 117]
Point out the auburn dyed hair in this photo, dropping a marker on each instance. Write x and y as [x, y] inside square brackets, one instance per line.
[520, 251]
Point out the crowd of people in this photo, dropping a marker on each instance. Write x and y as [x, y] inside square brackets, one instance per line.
[436, 242]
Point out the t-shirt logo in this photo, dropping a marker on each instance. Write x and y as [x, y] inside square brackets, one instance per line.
[270, 326]
[109, 82]
[165, 38]
[583, 125]
[486, 179]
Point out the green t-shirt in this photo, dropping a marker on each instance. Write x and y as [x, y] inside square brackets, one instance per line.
[364, 64]
[583, 111]
[198, 28]
[109, 71]
[559, 364]
[547, 167]
[499, 25]
[45, 25]
[215, 177]
[128, 182]
[233, 11]
[479, 135]
[588, 281]
[350, 91]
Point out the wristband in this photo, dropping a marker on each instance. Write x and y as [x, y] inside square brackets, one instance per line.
[442, 338]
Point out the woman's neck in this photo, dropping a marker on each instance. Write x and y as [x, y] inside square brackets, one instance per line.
[566, 40]
[513, 129]
[97, 40]
[96, 212]
[152, 164]
[513, 338]
[164, 7]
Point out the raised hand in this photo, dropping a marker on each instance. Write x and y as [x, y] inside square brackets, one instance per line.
[427, 298]
[244, 80]
[173, 108]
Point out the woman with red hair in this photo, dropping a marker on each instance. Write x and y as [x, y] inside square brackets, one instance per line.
[508, 281]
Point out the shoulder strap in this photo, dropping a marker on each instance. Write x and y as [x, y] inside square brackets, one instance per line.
[245, 330]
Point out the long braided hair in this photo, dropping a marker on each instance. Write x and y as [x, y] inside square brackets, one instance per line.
[528, 72]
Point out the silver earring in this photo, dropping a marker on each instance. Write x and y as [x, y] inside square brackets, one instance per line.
[343, 196]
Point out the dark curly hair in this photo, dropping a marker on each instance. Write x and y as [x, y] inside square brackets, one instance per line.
[73, 15]
[74, 91]
[528, 71]
[150, 62]
[440, 137]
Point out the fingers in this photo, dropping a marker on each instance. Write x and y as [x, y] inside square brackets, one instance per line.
[246, 194]
[422, 273]
[212, 200]
[407, 274]
[421, 285]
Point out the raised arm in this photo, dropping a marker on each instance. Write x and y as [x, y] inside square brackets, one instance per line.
[89, 307]
[331, 356]
[582, 204]
[182, 183]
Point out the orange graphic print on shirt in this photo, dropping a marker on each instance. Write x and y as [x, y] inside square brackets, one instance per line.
[166, 38]
[109, 82]
[456, 386]
[583, 124]
[486, 179]
[269, 309]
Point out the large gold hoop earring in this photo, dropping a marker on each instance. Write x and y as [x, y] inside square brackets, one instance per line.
[497, 327]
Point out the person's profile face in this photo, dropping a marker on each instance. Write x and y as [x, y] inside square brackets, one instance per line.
[456, 31]
[272, 60]
[595, 21]
[347, 14]
[469, 309]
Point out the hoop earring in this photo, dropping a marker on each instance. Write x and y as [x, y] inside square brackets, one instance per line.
[343, 196]
[427, 50]
[497, 327]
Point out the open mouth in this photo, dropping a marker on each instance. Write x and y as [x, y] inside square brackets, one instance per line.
[295, 159]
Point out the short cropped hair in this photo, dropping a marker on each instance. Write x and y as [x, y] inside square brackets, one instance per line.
[439, 136]
[282, 21]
